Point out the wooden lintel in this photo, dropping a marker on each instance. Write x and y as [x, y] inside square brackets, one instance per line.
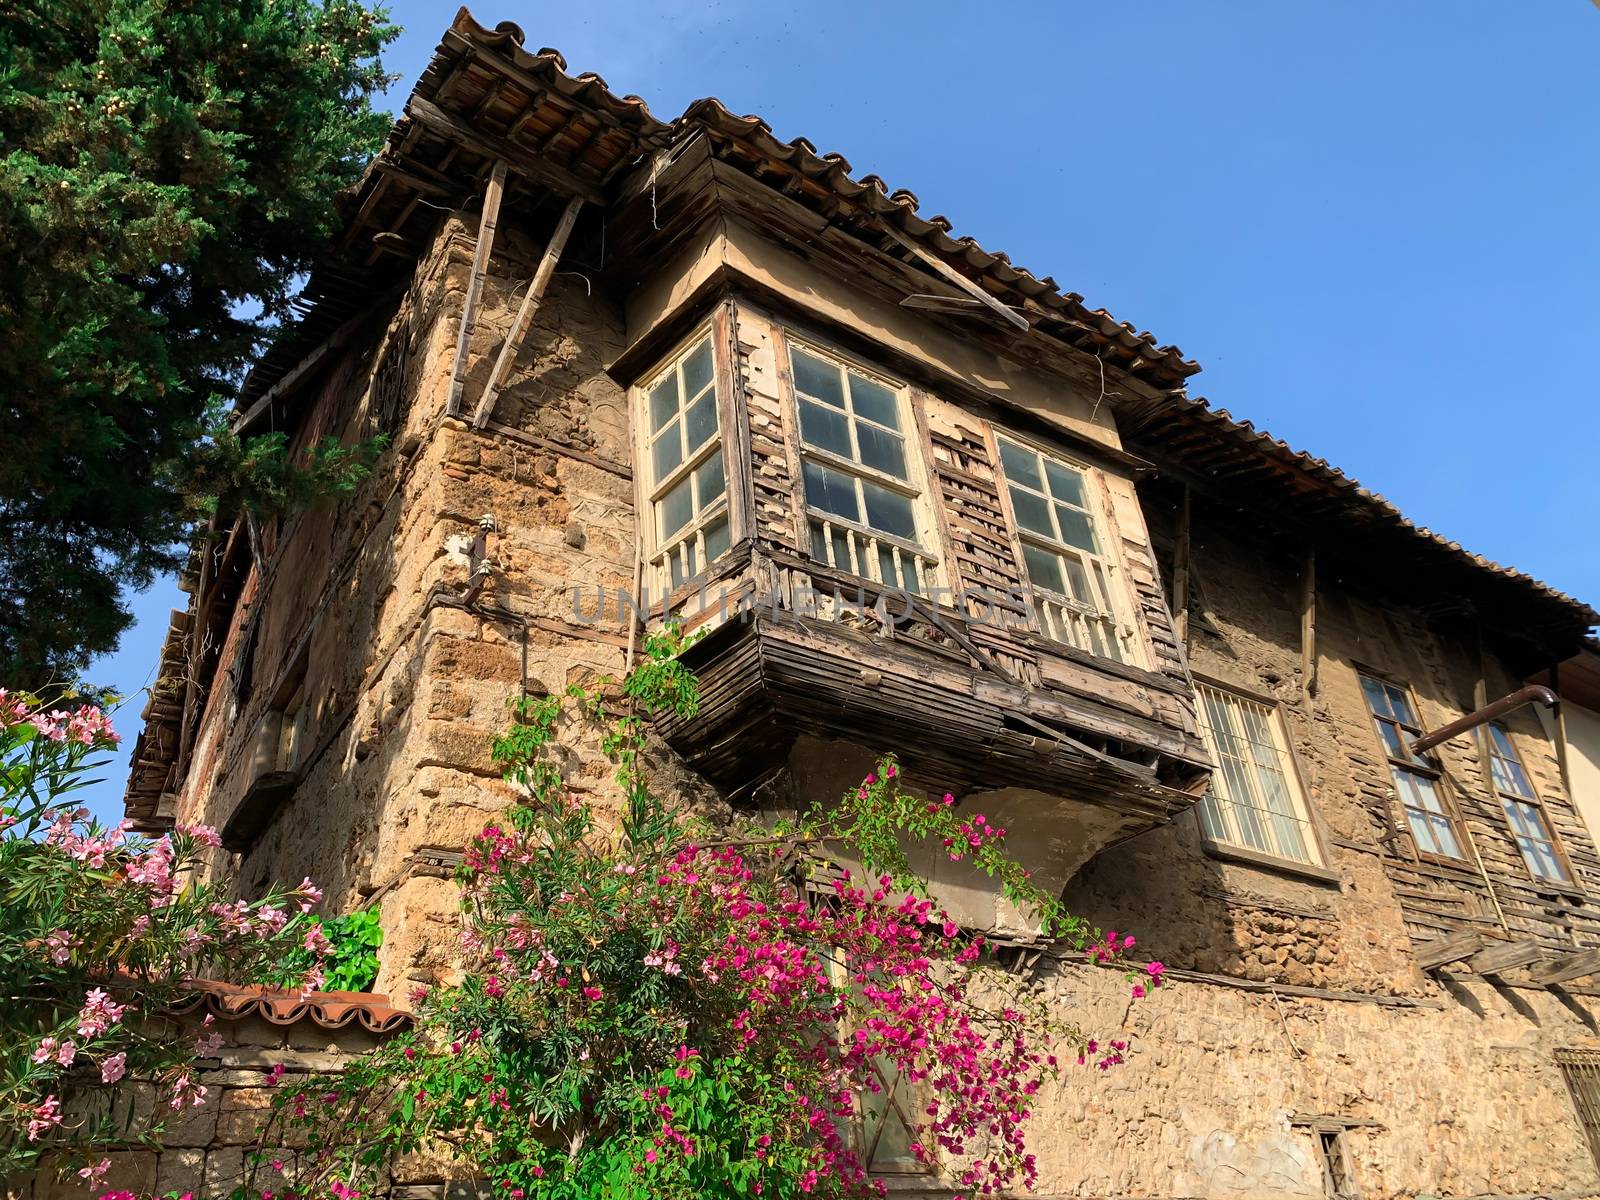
[1563, 967]
[957, 278]
[530, 305]
[487, 223]
[1505, 956]
[527, 162]
[1443, 951]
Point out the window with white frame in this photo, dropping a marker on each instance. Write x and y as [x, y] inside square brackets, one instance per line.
[1063, 551]
[1416, 776]
[1523, 808]
[688, 491]
[858, 472]
[1255, 801]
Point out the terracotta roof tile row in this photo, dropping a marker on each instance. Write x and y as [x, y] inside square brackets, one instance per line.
[1152, 426]
[329, 1010]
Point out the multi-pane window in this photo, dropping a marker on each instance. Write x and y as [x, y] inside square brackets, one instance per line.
[1255, 801]
[1523, 809]
[857, 470]
[1416, 777]
[1063, 550]
[688, 494]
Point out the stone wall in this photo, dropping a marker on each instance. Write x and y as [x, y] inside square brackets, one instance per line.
[207, 1150]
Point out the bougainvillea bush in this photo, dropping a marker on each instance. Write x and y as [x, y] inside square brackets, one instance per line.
[101, 930]
[651, 1007]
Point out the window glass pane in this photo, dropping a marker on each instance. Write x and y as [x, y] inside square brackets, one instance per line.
[1211, 819]
[886, 568]
[819, 542]
[1076, 529]
[1401, 703]
[1541, 862]
[701, 421]
[1044, 568]
[832, 491]
[1377, 698]
[1022, 466]
[874, 401]
[1032, 512]
[1427, 793]
[889, 511]
[666, 454]
[1392, 741]
[677, 507]
[882, 451]
[825, 429]
[816, 377]
[1502, 742]
[697, 370]
[717, 538]
[1078, 582]
[1065, 483]
[663, 401]
[709, 482]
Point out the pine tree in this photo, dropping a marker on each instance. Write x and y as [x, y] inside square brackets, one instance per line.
[166, 166]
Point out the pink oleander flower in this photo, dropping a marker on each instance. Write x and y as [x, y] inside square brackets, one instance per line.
[114, 1067]
[96, 1171]
[204, 835]
[99, 1013]
[45, 1116]
[61, 944]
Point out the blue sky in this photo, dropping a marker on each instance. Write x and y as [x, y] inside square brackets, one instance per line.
[1373, 224]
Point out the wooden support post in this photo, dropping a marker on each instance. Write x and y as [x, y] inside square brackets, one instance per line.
[530, 305]
[1308, 627]
[1561, 734]
[1180, 576]
[480, 267]
[1505, 956]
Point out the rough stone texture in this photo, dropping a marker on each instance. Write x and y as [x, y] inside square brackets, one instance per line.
[205, 1150]
[1455, 1077]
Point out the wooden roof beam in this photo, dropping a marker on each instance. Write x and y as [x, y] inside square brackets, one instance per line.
[491, 146]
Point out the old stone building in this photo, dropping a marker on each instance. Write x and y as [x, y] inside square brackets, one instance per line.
[922, 501]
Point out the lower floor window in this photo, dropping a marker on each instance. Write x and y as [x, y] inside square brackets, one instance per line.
[1255, 801]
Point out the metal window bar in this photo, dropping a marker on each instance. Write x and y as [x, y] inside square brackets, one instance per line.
[1581, 1070]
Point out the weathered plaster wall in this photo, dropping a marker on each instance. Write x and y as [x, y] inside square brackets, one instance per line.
[1463, 1095]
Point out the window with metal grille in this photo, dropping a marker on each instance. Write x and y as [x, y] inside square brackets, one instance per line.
[1255, 801]
[1581, 1069]
[1063, 549]
[1416, 777]
[1529, 823]
[688, 492]
[858, 472]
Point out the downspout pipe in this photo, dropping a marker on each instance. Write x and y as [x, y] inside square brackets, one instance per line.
[1534, 693]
